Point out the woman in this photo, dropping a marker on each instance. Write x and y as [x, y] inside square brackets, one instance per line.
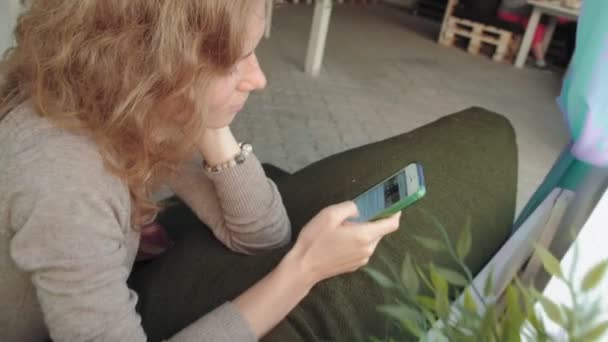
[103, 102]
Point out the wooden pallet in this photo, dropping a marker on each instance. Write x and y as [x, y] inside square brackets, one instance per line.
[480, 39]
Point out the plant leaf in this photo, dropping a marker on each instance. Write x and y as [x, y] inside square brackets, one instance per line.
[451, 276]
[469, 302]
[594, 276]
[430, 244]
[595, 333]
[426, 302]
[409, 277]
[408, 317]
[514, 315]
[488, 323]
[589, 313]
[463, 246]
[424, 278]
[488, 289]
[413, 328]
[457, 333]
[553, 310]
[568, 313]
[429, 316]
[528, 297]
[550, 263]
[437, 335]
[379, 278]
[440, 286]
[536, 328]
[389, 264]
[532, 317]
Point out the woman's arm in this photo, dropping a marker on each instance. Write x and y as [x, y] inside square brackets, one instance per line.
[267, 302]
[72, 234]
[68, 235]
[326, 247]
[218, 145]
[241, 205]
[70, 224]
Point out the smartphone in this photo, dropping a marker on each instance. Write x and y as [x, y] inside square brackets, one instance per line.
[391, 195]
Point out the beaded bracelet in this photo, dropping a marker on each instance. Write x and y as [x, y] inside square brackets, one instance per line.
[239, 159]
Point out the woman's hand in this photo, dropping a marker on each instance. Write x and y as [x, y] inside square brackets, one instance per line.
[327, 246]
[218, 145]
[330, 245]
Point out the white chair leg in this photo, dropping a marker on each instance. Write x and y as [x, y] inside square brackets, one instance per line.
[269, 9]
[318, 36]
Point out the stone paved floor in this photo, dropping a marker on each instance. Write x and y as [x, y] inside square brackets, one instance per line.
[384, 75]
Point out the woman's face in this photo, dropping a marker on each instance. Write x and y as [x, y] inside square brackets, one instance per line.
[228, 94]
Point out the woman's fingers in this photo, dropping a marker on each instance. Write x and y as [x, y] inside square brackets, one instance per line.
[338, 213]
[331, 245]
[376, 230]
[368, 235]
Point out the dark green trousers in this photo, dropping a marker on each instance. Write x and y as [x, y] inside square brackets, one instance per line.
[470, 164]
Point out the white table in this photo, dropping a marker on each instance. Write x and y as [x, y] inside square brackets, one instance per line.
[551, 8]
[318, 34]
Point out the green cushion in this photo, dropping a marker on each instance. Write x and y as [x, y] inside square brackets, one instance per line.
[470, 164]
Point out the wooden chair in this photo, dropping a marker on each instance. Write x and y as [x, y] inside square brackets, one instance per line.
[478, 37]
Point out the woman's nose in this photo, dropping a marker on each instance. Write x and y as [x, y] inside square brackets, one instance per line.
[253, 77]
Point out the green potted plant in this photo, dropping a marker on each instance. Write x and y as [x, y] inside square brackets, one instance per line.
[423, 305]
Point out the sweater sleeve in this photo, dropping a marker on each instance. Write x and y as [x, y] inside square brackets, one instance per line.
[74, 248]
[68, 222]
[242, 207]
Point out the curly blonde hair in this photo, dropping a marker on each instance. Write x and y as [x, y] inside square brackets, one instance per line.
[131, 73]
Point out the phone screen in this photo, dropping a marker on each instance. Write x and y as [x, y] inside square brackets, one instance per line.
[398, 187]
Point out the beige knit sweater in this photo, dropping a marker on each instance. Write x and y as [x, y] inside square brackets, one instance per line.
[67, 247]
